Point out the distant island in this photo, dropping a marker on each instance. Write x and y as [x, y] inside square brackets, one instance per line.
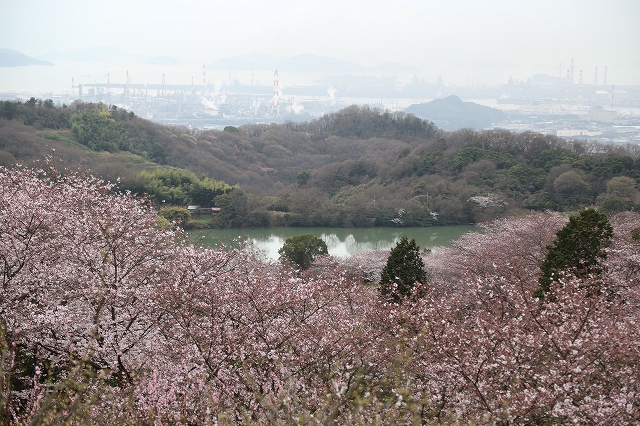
[451, 113]
[13, 58]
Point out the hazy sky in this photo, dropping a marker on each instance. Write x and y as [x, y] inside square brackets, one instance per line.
[536, 35]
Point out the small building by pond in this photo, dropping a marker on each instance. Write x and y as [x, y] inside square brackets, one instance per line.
[197, 210]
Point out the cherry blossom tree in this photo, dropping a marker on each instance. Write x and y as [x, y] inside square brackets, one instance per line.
[107, 318]
[79, 265]
[490, 351]
[368, 264]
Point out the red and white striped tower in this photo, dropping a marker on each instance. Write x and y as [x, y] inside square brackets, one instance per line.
[275, 102]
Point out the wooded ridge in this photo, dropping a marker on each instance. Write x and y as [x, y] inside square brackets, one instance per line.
[357, 167]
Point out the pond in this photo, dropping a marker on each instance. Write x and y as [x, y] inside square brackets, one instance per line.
[340, 241]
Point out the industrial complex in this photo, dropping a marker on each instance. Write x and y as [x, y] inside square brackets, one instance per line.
[563, 105]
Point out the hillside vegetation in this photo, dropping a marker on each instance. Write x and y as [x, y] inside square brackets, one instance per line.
[107, 318]
[356, 167]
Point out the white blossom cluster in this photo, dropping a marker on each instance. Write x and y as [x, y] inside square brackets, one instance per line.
[489, 200]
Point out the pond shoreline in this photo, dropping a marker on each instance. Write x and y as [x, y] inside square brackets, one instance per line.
[340, 241]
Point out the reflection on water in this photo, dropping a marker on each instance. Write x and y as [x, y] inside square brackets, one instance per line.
[340, 241]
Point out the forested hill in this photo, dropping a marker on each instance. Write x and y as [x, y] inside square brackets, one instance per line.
[356, 167]
[451, 113]
[254, 155]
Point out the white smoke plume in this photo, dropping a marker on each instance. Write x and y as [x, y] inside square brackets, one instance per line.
[217, 87]
[297, 108]
[332, 92]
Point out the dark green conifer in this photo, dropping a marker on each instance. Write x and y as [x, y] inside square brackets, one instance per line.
[403, 270]
[578, 249]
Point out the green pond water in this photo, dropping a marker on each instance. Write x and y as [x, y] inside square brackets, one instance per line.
[340, 241]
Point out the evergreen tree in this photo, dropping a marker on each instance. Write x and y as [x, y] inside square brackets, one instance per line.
[403, 270]
[578, 249]
[303, 249]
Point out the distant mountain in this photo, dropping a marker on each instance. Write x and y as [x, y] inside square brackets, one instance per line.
[451, 113]
[163, 60]
[13, 58]
[94, 54]
[304, 63]
[260, 58]
[394, 68]
[308, 63]
[251, 61]
[236, 64]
